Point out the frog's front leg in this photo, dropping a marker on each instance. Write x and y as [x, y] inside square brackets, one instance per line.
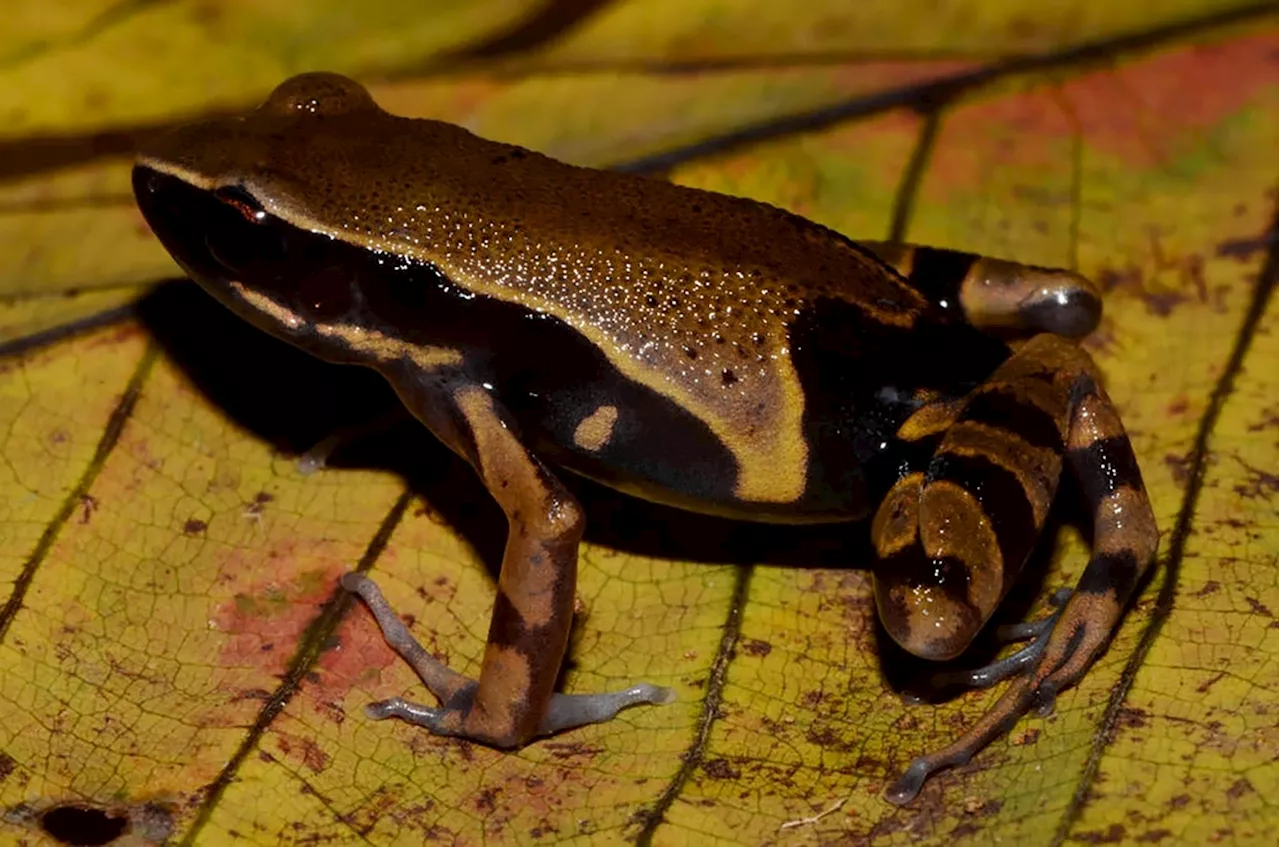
[996, 294]
[512, 701]
[952, 537]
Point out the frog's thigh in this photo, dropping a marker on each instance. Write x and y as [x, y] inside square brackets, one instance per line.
[952, 536]
[997, 294]
[1044, 402]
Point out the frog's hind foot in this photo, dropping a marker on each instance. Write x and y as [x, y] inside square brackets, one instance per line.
[1037, 632]
[456, 692]
[1055, 659]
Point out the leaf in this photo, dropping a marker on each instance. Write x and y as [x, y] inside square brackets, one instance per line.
[175, 656]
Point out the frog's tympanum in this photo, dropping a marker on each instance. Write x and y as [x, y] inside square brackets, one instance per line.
[704, 351]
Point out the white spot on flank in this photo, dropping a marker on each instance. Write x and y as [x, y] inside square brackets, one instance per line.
[596, 429]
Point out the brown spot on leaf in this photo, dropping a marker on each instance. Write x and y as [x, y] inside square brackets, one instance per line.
[1162, 303]
[258, 505]
[1239, 788]
[1269, 421]
[827, 739]
[1259, 482]
[811, 699]
[1244, 248]
[543, 828]
[1030, 735]
[755, 647]
[572, 750]
[1210, 587]
[194, 527]
[304, 750]
[88, 505]
[720, 769]
[1258, 607]
[487, 800]
[7, 766]
[1179, 466]
[1131, 718]
[1204, 687]
[1113, 834]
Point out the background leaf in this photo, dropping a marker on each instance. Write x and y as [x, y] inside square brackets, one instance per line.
[174, 654]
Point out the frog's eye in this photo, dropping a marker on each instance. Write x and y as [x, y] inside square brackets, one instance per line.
[243, 202]
[325, 94]
[240, 238]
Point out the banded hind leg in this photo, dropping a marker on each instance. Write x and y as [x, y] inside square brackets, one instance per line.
[512, 700]
[952, 537]
[995, 294]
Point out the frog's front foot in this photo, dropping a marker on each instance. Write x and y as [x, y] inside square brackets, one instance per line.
[457, 715]
[317, 458]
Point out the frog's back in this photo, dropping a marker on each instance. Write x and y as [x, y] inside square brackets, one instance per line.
[739, 313]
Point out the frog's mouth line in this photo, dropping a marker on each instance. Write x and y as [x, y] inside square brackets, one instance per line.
[260, 302]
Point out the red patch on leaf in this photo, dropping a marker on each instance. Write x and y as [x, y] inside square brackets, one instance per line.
[265, 622]
[1137, 112]
[303, 750]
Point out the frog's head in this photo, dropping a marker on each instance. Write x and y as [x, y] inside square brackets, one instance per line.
[266, 211]
[268, 272]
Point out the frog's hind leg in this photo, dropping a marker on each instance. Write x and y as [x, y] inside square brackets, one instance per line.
[513, 699]
[951, 538]
[995, 294]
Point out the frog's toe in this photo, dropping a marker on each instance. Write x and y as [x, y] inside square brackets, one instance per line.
[1000, 719]
[415, 713]
[444, 683]
[1034, 629]
[566, 711]
[1081, 634]
[1021, 662]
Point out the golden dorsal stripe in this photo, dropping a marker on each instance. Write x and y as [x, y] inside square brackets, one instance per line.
[772, 460]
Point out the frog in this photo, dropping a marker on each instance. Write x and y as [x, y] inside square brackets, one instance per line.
[702, 351]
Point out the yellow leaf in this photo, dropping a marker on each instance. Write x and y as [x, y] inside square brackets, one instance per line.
[177, 660]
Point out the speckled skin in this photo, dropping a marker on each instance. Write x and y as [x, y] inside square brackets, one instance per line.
[692, 295]
[705, 351]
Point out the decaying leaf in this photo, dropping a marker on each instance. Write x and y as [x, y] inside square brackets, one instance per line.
[174, 652]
